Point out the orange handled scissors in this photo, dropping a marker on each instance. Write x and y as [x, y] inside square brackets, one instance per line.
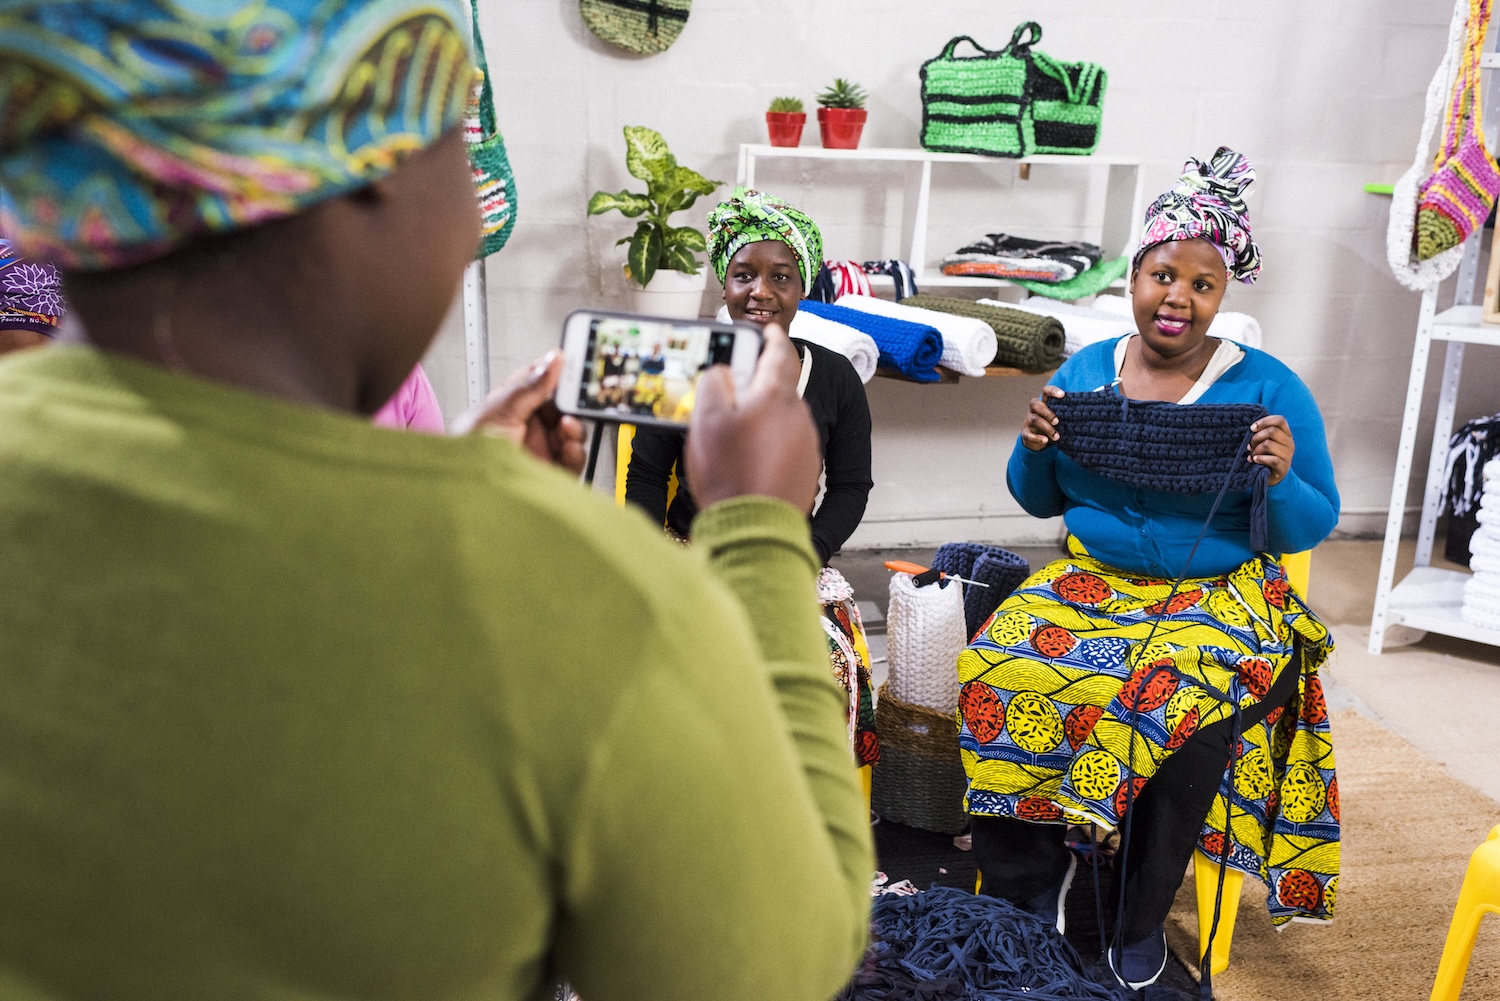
[922, 576]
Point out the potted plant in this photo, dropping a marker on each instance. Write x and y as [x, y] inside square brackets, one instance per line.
[785, 120]
[663, 276]
[841, 117]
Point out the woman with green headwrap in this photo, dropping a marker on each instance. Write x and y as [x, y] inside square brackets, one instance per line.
[767, 253]
[298, 707]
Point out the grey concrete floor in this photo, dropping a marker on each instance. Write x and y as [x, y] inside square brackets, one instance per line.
[1441, 694]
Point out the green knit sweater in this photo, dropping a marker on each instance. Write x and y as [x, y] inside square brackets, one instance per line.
[292, 707]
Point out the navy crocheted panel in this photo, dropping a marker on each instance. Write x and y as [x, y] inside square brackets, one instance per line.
[1180, 448]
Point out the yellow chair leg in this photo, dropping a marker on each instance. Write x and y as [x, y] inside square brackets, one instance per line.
[1479, 895]
[1298, 567]
[1206, 880]
[865, 778]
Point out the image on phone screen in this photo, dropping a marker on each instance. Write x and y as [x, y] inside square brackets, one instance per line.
[645, 368]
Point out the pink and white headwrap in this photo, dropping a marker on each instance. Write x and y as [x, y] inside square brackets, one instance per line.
[1208, 202]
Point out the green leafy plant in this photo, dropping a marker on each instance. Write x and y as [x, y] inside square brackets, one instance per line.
[843, 94]
[670, 188]
[786, 105]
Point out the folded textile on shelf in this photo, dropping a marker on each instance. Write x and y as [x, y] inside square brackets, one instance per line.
[899, 272]
[849, 278]
[1081, 325]
[1000, 255]
[999, 568]
[968, 343]
[913, 349]
[1022, 340]
[856, 345]
[1242, 328]
[1091, 282]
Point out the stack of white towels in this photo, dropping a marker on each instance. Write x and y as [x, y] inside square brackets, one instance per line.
[968, 344]
[1110, 317]
[1481, 605]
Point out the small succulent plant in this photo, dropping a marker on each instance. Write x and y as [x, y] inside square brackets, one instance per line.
[843, 94]
[786, 105]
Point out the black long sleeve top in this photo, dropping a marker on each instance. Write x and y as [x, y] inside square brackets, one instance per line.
[841, 413]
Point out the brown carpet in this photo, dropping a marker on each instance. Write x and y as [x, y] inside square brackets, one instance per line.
[1408, 831]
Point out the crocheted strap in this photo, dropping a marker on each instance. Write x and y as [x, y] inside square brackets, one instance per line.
[1171, 447]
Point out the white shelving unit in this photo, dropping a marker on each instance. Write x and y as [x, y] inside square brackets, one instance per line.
[1429, 598]
[1117, 230]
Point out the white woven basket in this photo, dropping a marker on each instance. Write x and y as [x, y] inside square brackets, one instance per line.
[925, 633]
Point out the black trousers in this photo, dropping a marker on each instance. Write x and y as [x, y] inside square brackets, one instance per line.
[1020, 861]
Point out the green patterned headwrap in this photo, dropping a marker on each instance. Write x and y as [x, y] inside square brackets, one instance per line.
[749, 217]
[129, 127]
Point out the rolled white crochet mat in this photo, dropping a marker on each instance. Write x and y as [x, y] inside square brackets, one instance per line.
[925, 633]
[856, 345]
[1481, 605]
[969, 344]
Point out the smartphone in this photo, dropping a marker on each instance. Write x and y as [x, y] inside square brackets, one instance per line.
[645, 369]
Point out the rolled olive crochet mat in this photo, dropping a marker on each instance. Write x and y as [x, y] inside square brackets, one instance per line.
[1024, 340]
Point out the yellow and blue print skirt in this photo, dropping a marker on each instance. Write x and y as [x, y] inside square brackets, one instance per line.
[1048, 733]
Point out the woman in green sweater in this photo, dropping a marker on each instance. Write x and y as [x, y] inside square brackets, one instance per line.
[299, 707]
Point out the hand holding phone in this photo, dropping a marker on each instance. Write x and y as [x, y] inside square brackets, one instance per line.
[522, 410]
[757, 442]
[643, 369]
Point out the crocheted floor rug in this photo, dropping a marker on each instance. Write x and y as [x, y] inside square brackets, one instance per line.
[1408, 831]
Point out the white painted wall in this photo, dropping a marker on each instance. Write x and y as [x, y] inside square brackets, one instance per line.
[1323, 95]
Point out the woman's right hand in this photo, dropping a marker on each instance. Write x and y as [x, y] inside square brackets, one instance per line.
[1040, 429]
[763, 443]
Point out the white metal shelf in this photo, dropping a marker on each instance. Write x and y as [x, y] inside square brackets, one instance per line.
[1429, 598]
[1462, 323]
[1117, 229]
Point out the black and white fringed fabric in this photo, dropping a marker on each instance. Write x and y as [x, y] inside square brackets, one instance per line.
[1177, 448]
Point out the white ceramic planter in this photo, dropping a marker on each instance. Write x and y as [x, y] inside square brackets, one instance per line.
[671, 293]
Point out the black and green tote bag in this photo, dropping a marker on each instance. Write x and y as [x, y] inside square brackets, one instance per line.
[1013, 102]
[973, 104]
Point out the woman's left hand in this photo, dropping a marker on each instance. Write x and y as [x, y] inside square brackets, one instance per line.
[522, 410]
[1271, 445]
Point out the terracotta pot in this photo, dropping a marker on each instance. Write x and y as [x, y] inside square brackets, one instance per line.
[785, 127]
[841, 127]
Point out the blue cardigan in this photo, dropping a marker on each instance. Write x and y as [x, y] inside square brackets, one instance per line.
[1151, 532]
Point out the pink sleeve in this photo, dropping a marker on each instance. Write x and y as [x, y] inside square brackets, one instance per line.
[413, 408]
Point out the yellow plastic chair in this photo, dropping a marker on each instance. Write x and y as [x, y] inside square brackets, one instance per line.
[1479, 895]
[1206, 870]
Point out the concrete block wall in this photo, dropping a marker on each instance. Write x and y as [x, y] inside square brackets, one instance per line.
[1323, 95]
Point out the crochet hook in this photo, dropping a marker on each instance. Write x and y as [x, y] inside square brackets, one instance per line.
[922, 576]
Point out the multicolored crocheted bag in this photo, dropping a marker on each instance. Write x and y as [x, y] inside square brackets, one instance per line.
[1456, 198]
[494, 181]
[1013, 102]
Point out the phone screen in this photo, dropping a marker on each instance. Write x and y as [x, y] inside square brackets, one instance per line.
[648, 368]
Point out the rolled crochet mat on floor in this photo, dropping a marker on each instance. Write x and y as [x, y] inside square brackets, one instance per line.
[1001, 569]
[913, 349]
[968, 343]
[1023, 340]
[925, 632]
[919, 780]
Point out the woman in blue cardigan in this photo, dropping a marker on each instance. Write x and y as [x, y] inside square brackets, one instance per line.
[1099, 695]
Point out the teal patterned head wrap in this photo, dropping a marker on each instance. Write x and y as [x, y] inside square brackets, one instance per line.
[749, 217]
[128, 127]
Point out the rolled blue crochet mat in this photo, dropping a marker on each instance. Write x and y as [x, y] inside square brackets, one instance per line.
[1000, 568]
[913, 349]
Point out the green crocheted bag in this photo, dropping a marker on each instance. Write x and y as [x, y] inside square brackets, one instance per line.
[494, 181]
[973, 104]
[1014, 102]
[644, 27]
